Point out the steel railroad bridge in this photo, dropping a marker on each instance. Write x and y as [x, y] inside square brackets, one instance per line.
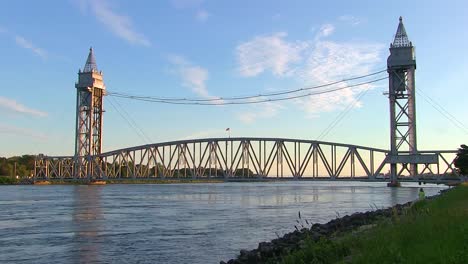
[245, 158]
[255, 158]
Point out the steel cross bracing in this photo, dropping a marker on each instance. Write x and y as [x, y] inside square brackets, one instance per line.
[401, 66]
[231, 158]
[89, 115]
[404, 116]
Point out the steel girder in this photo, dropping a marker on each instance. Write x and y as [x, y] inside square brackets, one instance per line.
[238, 158]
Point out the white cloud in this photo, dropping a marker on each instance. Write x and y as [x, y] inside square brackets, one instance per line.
[331, 61]
[272, 52]
[22, 42]
[202, 15]
[193, 76]
[221, 132]
[325, 61]
[120, 25]
[262, 111]
[354, 21]
[14, 106]
[326, 30]
[13, 130]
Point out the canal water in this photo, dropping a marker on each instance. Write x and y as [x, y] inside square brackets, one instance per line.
[177, 223]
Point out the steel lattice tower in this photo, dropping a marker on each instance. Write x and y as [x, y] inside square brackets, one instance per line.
[401, 66]
[89, 110]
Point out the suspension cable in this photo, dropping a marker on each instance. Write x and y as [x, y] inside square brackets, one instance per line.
[443, 112]
[342, 115]
[125, 95]
[223, 102]
[129, 121]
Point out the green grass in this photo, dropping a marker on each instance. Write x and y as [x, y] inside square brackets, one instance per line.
[431, 231]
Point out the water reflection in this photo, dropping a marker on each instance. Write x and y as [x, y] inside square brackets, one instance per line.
[87, 218]
[186, 223]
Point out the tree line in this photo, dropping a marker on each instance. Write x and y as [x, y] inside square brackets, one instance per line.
[461, 161]
[24, 166]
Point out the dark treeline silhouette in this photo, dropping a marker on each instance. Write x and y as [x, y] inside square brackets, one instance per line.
[24, 166]
[127, 170]
[461, 161]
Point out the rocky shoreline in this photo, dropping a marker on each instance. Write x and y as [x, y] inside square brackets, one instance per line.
[272, 252]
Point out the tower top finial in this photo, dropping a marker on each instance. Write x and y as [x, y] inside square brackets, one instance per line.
[90, 65]
[401, 38]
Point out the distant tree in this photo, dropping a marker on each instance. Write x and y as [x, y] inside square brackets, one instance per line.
[461, 160]
[24, 165]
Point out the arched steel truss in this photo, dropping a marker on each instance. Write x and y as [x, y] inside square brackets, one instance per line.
[238, 158]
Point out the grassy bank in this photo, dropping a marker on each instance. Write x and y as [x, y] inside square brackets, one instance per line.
[430, 231]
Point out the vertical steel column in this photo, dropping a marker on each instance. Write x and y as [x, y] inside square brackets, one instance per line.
[401, 65]
[89, 116]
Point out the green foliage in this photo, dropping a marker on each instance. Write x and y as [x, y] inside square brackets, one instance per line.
[245, 173]
[430, 231]
[461, 161]
[7, 180]
[24, 165]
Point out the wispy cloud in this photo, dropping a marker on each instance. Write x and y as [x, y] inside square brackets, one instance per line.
[354, 21]
[264, 53]
[202, 15]
[324, 61]
[18, 131]
[193, 77]
[221, 132]
[326, 30]
[331, 61]
[120, 25]
[22, 42]
[13, 106]
[265, 110]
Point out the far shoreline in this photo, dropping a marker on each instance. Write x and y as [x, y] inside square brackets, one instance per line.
[26, 181]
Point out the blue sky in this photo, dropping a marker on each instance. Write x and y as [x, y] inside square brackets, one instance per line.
[205, 49]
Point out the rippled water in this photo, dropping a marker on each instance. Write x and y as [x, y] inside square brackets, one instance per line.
[177, 223]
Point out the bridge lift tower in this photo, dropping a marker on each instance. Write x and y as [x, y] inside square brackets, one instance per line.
[401, 66]
[89, 110]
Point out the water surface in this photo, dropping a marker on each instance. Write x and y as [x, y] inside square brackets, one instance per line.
[176, 223]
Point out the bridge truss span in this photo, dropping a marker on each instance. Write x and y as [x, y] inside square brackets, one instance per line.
[228, 158]
[243, 158]
[240, 158]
